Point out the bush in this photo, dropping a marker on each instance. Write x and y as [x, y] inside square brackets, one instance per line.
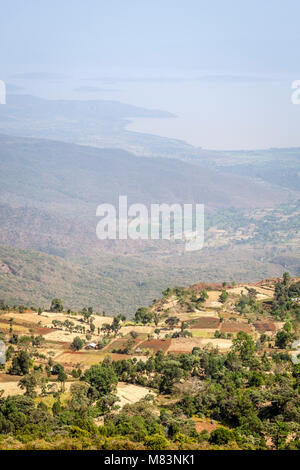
[77, 344]
[56, 306]
[220, 436]
[156, 442]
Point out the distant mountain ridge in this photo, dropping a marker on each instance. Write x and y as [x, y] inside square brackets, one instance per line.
[24, 106]
[50, 188]
[72, 180]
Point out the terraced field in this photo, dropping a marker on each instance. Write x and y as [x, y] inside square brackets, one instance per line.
[201, 324]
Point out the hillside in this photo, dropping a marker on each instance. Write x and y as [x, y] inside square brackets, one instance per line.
[48, 197]
[44, 255]
[120, 283]
[98, 123]
[73, 179]
[190, 363]
[275, 166]
[199, 317]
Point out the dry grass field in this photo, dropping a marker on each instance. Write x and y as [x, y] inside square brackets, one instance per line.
[140, 330]
[187, 344]
[129, 393]
[203, 333]
[204, 313]
[84, 358]
[9, 385]
[235, 327]
[263, 292]
[202, 322]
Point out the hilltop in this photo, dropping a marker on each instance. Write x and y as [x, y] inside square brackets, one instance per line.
[202, 315]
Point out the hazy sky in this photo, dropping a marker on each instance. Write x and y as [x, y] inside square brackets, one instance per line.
[223, 66]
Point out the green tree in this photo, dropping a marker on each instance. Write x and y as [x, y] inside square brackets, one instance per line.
[203, 296]
[283, 339]
[102, 378]
[156, 318]
[56, 306]
[86, 313]
[220, 436]
[30, 382]
[57, 407]
[20, 364]
[286, 278]
[172, 321]
[107, 403]
[244, 345]
[62, 377]
[77, 344]
[116, 325]
[143, 315]
[223, 297]
[133, 334]
[106, 328]
[57, 368]
[171, 372]
[79, 400]
[156, 442]
[279, 432]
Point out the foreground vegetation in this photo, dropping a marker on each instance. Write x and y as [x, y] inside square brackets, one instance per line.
[246, 397]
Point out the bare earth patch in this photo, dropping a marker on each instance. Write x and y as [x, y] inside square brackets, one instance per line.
[235, 327]
[205, 425]
[265, 326]
[85, 358]
[11, 388]
[206, 322]
[262, 292]
[125, 330]
[156, 345]
[187, 344]
[129, 393]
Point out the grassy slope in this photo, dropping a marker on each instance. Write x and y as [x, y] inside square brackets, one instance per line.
[116, 283]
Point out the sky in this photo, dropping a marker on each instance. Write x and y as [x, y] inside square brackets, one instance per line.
[224, 67]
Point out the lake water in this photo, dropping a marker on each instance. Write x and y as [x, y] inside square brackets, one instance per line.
[217, 112]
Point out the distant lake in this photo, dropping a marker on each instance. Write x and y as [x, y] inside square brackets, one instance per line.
[213, 112]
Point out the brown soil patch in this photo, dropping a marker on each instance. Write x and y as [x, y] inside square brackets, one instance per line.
[184, 344]
[156, 344]
[205, 426]
[207, 285]
[119, 357]
[235, 327]
[262, 327]
[43, 331]
[206, 322]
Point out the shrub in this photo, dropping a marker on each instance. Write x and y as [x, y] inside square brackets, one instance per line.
[220, 436]
[156, 442]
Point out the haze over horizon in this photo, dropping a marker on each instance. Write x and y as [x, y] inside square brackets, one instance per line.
[225, 70]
